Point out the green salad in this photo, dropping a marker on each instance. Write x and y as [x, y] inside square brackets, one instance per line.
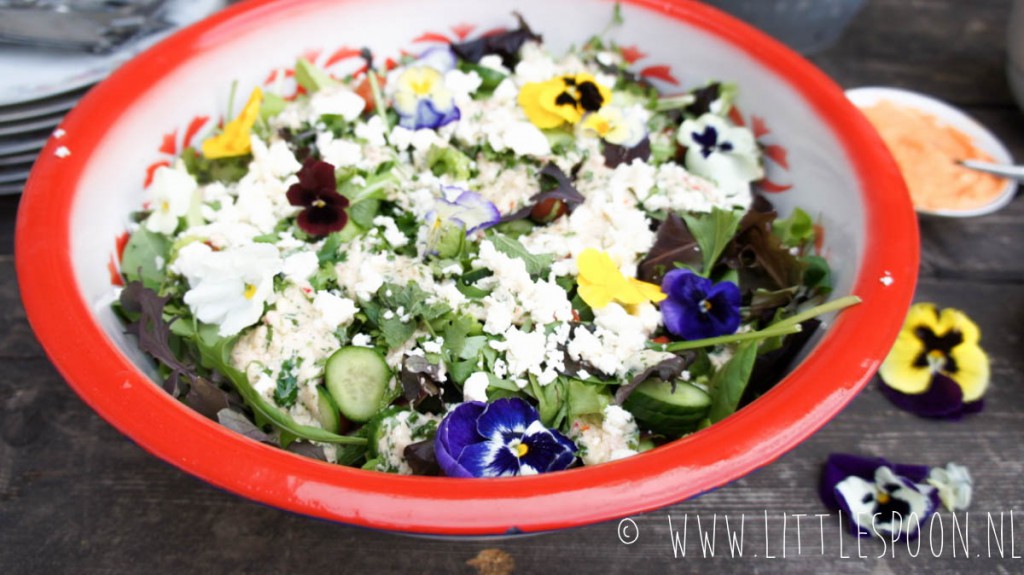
[482, 260]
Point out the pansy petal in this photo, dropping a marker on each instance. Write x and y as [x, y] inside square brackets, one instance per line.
[856, 496]
[489, 459]
[942, 399]
[234, 139]
[650, 292]
[544, 451]
[901, 370]
[456, 431]
[529, 101]
[955, 320]
[505, 415]
[972, 370]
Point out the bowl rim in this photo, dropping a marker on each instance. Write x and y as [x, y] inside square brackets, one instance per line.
[755, 436]
[981, 136]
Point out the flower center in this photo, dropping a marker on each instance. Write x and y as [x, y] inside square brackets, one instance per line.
[522, 450]
[705, 306]
[165, 206]
[937, 353]
[250, 291]
[882, 497]
[318, 203]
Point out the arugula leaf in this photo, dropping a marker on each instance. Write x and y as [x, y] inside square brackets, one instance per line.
[729, 382]
[537, 265]
[272, 105]
[713, 233]
[362, 213]
[312, 78]
[795, 231]
[817, 275]
[490, 77]
[138, 263]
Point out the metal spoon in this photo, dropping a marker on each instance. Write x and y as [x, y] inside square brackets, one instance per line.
[1012, 172]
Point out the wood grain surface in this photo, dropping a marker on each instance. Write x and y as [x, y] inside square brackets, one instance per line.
[78, 497]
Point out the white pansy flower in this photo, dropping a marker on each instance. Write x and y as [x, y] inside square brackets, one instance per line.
[954, 484]
[229, 287]
[170, 195]
[725, 154]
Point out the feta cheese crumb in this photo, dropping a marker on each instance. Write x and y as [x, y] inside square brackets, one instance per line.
[475, 388]
[334, 311]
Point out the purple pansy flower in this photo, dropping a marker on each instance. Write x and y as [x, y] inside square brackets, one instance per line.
[499, 439]
[317, 192]
[878, 497]
[469, 210]
[697, 308]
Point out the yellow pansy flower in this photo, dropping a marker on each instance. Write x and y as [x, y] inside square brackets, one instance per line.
[563, 99]
[234, 140]
[601, 282]
[937, 342]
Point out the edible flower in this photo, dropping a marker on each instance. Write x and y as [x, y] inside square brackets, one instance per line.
[422, 100]
[452, 220]
[936, 367]
[563, 99]
[878, 497]
[698, 308]
[317, 191]
[170, 196]
[718, 151]
[615, 126]
[228, 288]
[601, 282]
[499, 439]
[954, 484]
[234, 140]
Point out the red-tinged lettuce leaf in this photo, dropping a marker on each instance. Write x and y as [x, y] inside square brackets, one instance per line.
[555, 185]
[667, 370]
[421, 458]
[307, 450]
[615, 155]
[505, 44]
[153, 333]
[674, 244]
[771, 367]
[703, 98]
[421, 380]
[237, 421]
[206, 398]
[760, 258]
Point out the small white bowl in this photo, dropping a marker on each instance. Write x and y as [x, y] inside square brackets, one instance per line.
[981, 137]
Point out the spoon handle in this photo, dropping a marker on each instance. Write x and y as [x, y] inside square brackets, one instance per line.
[1012, 172]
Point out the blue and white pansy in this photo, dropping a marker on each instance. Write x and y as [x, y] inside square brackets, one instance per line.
[458, 212]
[499, 439]
[721, 152]
[890, 500]
[421, 98]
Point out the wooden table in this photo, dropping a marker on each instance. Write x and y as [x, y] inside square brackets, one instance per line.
[76, 496]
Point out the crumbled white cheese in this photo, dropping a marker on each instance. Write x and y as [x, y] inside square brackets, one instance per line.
[613, 435]
[334, 311]
[475, 387]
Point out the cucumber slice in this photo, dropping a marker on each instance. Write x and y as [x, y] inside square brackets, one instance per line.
[357, 378]
[656, 407]
[327, 411]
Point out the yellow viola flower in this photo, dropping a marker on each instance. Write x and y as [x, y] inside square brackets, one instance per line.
[601, 282]
[935, 352]
[614, 126]
[563, 99]
[234, 140]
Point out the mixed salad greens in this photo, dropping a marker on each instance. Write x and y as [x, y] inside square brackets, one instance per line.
[481, 260]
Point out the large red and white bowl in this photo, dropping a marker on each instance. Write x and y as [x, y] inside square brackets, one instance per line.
[824, 157]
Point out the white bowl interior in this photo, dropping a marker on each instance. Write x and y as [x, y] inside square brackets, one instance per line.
[823, 180]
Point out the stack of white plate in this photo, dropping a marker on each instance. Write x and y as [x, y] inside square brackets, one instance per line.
[38, 86]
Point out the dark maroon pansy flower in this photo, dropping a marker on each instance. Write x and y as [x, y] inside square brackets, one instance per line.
[317, 191]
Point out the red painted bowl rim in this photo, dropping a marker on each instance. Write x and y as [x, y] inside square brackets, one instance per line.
[828, 379]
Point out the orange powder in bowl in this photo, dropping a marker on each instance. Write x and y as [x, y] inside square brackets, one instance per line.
[926, 150]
